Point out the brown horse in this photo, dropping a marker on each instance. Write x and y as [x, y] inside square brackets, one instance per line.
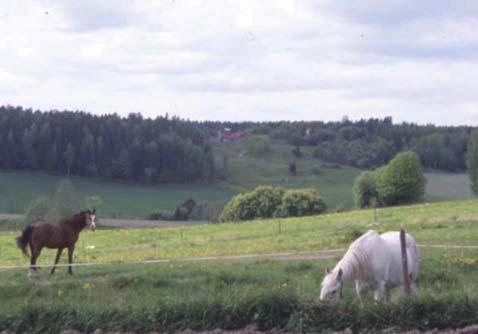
[61, 235]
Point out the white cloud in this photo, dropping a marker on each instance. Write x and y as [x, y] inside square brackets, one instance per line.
[244, 60]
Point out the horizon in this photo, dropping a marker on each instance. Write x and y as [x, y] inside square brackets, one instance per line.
[169, 116]
[291, 60]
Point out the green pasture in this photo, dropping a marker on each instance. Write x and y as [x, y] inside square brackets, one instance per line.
[438, 223]
[229, 295]
[233, 294]
[121, 200]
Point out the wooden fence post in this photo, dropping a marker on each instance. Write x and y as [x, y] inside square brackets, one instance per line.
[406, 278]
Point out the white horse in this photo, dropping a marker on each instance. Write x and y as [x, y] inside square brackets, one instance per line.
[374, 262]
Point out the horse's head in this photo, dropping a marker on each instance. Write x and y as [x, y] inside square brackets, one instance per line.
[91, 219]
[331, 287]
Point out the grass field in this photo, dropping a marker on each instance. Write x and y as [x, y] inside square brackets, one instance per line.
[444, 222]
[233, 294]
[130, 200]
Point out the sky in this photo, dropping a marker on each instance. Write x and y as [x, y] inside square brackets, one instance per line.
[237, 60]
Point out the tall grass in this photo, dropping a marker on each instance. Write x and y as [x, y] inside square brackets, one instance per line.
[231, 295]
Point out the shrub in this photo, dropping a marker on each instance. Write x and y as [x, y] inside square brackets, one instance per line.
[301, 202]
[402, 180]
[365, 190]
[263, 202]
[161, 215]
[184, 210]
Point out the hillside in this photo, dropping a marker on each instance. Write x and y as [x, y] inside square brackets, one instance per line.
[242, 172]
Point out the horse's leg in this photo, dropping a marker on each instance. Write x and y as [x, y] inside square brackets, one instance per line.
[57, 258]
[70, 258]
[388, 295]
[379, 291]
[358, 290]
[33, 260]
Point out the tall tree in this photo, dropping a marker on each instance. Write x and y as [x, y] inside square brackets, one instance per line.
[472, 161]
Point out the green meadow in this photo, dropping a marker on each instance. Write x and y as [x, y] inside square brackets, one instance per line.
[236, 293]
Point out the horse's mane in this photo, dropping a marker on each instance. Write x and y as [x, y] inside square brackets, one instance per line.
[356, 261]
[73, 219]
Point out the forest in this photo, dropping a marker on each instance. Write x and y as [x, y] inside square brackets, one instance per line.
[170, 149]
[108, 146]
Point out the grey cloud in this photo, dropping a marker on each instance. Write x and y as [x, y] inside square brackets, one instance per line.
[91, 15]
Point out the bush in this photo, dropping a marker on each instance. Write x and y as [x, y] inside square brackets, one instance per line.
[161, 215]
[268, 201]
[301, 202]
[184, 210]
[263, 202]
[365, 190]
[402, 180]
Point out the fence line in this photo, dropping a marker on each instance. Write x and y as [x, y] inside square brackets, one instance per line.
[325, 254]
[319, 255]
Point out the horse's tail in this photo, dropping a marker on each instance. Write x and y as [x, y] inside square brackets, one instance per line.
[24, 239]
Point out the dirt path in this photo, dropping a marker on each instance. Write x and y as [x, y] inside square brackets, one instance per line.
[113, 222]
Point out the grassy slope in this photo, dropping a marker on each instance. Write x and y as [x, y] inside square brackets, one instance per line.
[245, 172]
[236, 293]
[445, 223]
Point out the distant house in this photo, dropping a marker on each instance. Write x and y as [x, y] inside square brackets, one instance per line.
[227, 135]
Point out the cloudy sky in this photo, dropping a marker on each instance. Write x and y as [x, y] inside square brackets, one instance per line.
[244, 60]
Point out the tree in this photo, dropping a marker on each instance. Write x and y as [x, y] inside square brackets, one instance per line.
[66, 200]
[402, 180]
[365, 190]
[472, 161]
[292, 169]
[69, 156]
[38, 209]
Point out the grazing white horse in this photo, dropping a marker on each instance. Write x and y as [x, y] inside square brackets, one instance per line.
[373, 261]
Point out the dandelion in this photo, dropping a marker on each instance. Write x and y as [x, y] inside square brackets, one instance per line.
[90, 247]
[284, 285]
[87, 286]
[60, 292]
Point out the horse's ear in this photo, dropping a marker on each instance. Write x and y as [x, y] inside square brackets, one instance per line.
[340, 274]
[327, 270]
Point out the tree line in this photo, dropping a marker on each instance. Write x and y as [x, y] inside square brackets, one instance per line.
[163, 149]
[169, 149]
[367, 143]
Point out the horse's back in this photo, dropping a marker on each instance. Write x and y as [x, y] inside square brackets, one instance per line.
[393, 246]
[48, 234]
